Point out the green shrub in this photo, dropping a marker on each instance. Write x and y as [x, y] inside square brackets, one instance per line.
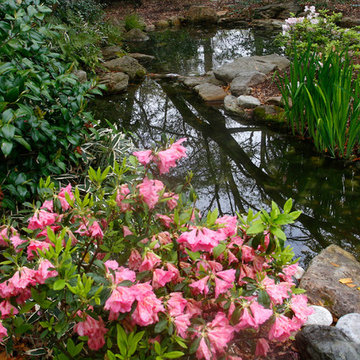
[89, 10]
[322, 101]
[133, 21]
[42, 104]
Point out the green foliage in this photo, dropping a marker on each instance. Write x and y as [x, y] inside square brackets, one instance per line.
[320, 31]
[89, 10]
[133, 21]
[42, 104]
[322, 101]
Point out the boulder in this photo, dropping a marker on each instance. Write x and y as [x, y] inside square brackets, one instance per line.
[349, 22]
[162, 24]
[126, 64]
[275, 100]
[112, 52]
[135, 35]
[322, 281]
[116, 82]
[277, 11]
[192, 81]
[262, 64]
[201, 14]
[350, 325]
[231, 105]
[267, 24]
[320, 316]
[272, 113]
[240, 85]
[81, 75]
[248, 102]
[176, 21]
[142, 58]
[319, 342]
[210, 92]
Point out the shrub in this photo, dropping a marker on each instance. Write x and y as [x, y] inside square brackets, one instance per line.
[131, 269]
[42, 105]
[322, 101]
[133, 21]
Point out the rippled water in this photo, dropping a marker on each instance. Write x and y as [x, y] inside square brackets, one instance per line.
[238, 164]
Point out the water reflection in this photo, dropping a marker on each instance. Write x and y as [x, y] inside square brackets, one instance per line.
[239, 165]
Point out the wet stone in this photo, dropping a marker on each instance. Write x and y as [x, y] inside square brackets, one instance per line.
[210, 92]
[320, 316]
[248, 102]
[350, 325]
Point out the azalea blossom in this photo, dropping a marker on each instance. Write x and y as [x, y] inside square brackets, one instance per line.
[182, 322]
[200, 239]
[6, 309]
[167, 158]
[121, 195]
[200, 286]
[120, 300]
[161, 278]
[150, 261]
[281, 329]
[3, 331]
[299, 305]
[144, 156]
[149, 191]
[41, 219]
[262, 347]
[34, 246]
[176, 304]
[43, 271]
[61, 196]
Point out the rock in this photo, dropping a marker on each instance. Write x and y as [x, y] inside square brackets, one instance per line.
[277, 11]
[321, 281]
[248, 102]
[81, 75]
[201, 14]
[299, 273]
[349, 22]
[275, 100]
[230, 104]
[271, 113]
[115, 82]
[318, 342]
[136, 35]
[192, 81]
[262, 64]
[267, 24]
[142, 58]
[240, 85]
[221, 14]
[350, 325]
[175, 21]
[320, 316]
[150, 27]
[210, 92]
[162, 24]
[112, 52]
[126, 64]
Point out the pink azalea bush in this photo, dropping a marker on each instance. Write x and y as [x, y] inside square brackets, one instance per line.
[133, 268]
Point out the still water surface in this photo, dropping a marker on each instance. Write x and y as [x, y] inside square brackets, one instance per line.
[238, 165]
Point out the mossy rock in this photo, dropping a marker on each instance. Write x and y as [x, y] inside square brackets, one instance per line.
[272, 113]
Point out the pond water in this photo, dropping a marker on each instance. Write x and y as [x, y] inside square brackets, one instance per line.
[238, 165]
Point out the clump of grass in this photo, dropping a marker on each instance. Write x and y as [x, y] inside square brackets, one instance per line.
[134, 21]
[322, 101]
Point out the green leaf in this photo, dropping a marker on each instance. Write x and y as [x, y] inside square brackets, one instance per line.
[288, 206]
[218, 250]
[157, 348]
[256, 228]
[6, 147]
[22, 142]
[59, 284]
[193, 255]
[194, 346]
[264, 298]
[9, 131]
[278, 233]
[160, 326]
[173, 354]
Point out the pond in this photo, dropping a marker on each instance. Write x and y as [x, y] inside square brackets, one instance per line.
[236, 164]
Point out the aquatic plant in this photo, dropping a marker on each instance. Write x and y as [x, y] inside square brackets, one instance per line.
[131, 269]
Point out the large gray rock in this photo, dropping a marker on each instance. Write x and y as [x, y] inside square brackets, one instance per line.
[320, 316]
[135, 35]
[316, 342]
[248, 102]
[116, 82]
[240, 85]
[192, 81]
[263, 64]
[210, 92]
[231, 105]
[279, 10]
[126, 64]
[267, 24]
[142, 58]
[322, 281]
[350, 325]
[112, 52]
[201, 14]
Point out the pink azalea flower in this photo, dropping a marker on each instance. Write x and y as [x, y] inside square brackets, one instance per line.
[202, 239]
[246, 321]
[135, 260]
[111, 264]
[123, 274]
[167, 158]
[94, 330]
[23, 278]
[194, 308]
[150, 261]
[121, 196]
[48, 204]
[95, 231]
[277, 292]
[200, 286]
[144, 156]
[299, 305]
[172, 200]
[16, 241]
[161, 278]
[61, 196]
[34, 246]
[232, 258]
[221, 287]
[248, 253]
[176, 273]
[227, 275]
[3, 331]
[149, 191]
[182, 322]
[246, 271]
[203, 352]
[176, 304]
[289, 271]
[262, 347]
[120, 300]
[281, 329]
[127, 231]
[6, 309]
[229, 225]
[4, 236]
[165, 220]
[41, 219]
[220, 333]
[23, 297]
[259, 313]
[44, 273]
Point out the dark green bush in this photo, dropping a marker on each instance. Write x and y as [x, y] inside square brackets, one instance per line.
[42, 104]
